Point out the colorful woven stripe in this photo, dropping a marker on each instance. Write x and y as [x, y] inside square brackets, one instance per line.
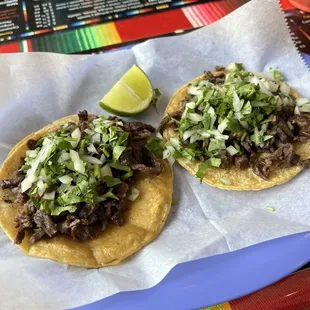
[225, 306]
[90, 37]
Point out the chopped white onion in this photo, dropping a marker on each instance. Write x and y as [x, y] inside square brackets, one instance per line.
[77, 162]
[64, 156]
[41, 187]
[193, 138]
[91, 160]
[212, 114]
[217, 135]
[92, 180]
[65, 179]
[237, 103]
[103, 159]
[296, 110]
[284, 88]
[91, 149]
[195, 117]
[175, 142]
[76, 134]
[134, 194]
[96, 138]
[31, 153]
[159, 135]
[106, 170]
[222, 126]
[166, 154]
[89, 131]
[263, 88]
[43, 176]
[232, 150]
[49, 196]
[43, 153]
[305, 108]
[191, 105]
[204, 133]
[270, 85]
[188, 133]
[301, 101]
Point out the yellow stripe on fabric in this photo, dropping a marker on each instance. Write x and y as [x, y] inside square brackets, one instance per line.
[114, 33]
[105, 34]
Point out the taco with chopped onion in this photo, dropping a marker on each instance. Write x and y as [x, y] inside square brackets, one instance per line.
[238, 130]
[85, 190]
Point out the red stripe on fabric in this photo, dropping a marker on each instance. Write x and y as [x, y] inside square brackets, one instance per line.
[286, 5]
[291, 293]
[219, 6]
[199, 16]
[203, 13]
[206, 15]
[208, 11]
[29, 44]
[10, 48]
[152, 25]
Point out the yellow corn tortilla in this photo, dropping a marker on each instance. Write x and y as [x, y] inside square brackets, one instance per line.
[239, 179]
[143, 221]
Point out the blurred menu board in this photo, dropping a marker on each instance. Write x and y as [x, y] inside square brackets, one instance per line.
[25, 18]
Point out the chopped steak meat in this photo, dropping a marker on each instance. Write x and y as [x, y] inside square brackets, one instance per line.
[242, 162]
[45, 221]
[83, 121]
[137, 126]
[261, 168]
[121, 190]
[139, 135]
[11, 183]
[36, 236]
[88, 210]
[226, 160]
[150, 163]
[170, 118]
[31, 144]
[118, 218]
[83, 116]
[20, 235]
[82, 233]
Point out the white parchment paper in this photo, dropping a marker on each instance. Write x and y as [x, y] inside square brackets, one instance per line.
[36, 89]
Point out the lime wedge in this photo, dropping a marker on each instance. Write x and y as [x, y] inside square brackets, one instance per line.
[131, 95]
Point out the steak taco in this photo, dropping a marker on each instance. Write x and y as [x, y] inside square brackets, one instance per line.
[238, 130]
[85, 191]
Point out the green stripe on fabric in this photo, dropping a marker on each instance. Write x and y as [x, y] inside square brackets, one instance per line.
[84, 39]
[94, 36]
[62, 42]
[78, 41]
[72, 41]
[21, 47]
[219, 307]
[47, 44]
[89, 38]
[99, 36]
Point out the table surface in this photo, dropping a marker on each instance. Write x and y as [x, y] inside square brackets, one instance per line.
[29, 26]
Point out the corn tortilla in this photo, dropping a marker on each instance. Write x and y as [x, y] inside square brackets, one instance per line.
[238, 179]
[143, 221]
